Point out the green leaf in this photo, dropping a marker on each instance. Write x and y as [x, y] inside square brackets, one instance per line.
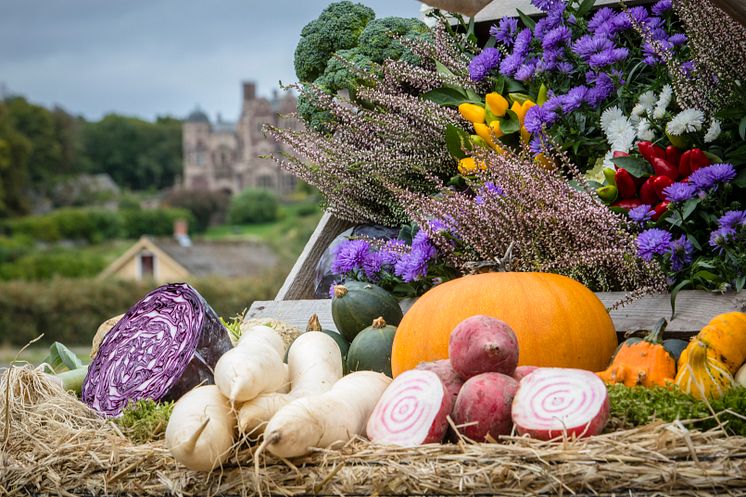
[473, 96]
[457, 140]
[740, 283]
[514, 86]
[500, 86]
[639, 168]
[491, 42]
[707, 275]
[714, 159]
[740, 180]
[443, 70]
[689, 207]
[693, 241]
[742, 128]
[509, 123]
[60, 356]
[526, 20]
[448, 97]
[674, 293]
[584, 8]
[518, 97]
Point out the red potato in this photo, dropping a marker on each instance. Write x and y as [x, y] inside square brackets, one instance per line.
[451, 380]
[484, 404]
[482, 344]
[412, 411]
[551, 401]
[523, 371]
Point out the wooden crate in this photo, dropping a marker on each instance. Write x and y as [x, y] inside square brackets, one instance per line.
[294, 303]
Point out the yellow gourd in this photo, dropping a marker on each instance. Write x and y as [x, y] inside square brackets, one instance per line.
[702, 375]
[725, 334]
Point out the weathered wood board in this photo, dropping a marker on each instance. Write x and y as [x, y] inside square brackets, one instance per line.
[693, 310]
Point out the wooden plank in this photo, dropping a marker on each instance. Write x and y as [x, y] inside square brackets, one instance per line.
[694, 309]
[299, 283]
[734, 8]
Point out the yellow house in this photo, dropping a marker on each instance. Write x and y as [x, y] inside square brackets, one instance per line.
[169, 259]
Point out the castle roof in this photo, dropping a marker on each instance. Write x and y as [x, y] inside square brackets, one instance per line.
[197, 116]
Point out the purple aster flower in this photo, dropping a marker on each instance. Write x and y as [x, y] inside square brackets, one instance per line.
[559, 36]
[641, 213]
[537, 144]
[350, 256]
[565, 67]
[708, 177]
[510, 64]
[522, 42]
[600, 18]
[653, 241]
[489, 190]
[574, 99]
[505, 30]
[677, 39]
[733, 219]
[720, 238]
[537, 117]
[547, 5]
[608, 57]
[392, 251]
[526, 71]
[678, 192]
[681, 253]
[587, 45]
[413, 265]
[688, 68]
[554, 104]
[602, 90]
[661, 6]
[481, 65]
[372, 265]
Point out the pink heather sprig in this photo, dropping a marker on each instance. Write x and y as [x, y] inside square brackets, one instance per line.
[553, 227]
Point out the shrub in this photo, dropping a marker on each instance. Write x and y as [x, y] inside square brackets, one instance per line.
[46, 265]
[207, 208]
[70, 311]
[91, 225]
[253, 206]
[156, 222]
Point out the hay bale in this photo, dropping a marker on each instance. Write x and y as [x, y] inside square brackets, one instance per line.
[50, 443]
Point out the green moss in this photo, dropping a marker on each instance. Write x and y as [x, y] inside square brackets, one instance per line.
[145, 420]
[635, 406]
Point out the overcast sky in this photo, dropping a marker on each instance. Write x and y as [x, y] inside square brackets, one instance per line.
[154, 57]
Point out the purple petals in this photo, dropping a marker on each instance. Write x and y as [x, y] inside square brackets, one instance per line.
[653, 241]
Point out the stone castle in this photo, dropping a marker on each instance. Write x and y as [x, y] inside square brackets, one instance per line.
[226, 156]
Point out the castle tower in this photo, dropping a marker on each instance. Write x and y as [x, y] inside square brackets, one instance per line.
[196, 150]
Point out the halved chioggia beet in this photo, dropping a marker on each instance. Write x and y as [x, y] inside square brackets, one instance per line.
[164, 346]
[552, 401]
[412, 411]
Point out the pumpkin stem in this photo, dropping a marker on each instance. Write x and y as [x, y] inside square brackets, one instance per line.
[340, 291]
[313, 323]
[656, 335]
[379, 323]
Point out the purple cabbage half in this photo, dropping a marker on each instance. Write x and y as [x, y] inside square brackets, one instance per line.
[164, 346]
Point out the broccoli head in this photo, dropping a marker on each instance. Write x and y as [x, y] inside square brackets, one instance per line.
[314, 115]
[338, 27]
[343, 70]
[379, 40]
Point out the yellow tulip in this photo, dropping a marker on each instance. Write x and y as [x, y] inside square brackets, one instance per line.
[495, 128]
[467, 165]
[521, 109]
[483, 131]
[473, 113]
[497, 104]
[516, 108]
[544, 161]
[525, 135]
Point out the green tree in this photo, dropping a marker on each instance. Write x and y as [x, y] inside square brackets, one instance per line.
[253, 206]
[15, 150]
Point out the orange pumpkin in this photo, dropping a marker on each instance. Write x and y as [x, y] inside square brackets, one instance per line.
[558, 321]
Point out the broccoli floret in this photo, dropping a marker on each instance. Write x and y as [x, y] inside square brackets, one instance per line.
[316, 117]
[338, 27]
[379, 38]
[343, 70]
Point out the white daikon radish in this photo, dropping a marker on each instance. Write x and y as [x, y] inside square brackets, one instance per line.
[252, 367]
[315, 365]
[321, 420]
[201, 429]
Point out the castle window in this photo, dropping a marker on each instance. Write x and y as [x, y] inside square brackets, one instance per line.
[146, 264]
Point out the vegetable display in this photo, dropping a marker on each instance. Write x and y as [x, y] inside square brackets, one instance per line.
[558, 321]
[201, 428]
[483, 406]
[725, 335]
[314, 364]
[412, 411]
[451, 380]
[253, 367]
[355, 305]
[371, 348]
[701, 374]
[643, 362]
[321, 420]
[553, 401]
[165, 345]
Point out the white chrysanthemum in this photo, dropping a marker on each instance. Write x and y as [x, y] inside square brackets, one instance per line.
[609, 116]
[713, 131]
[686, 121]
[607, 160]
[639, 110]
[644, 132]
[647, 100]
[664, 100]
[621, 134]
